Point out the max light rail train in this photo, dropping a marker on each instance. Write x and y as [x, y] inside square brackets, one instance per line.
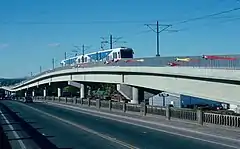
[103, 55]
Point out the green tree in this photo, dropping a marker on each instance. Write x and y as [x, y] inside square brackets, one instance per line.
[70, 89]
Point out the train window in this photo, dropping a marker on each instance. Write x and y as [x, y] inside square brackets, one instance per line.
[85, 59]
[118, 54]
[97, 56]
[114, 55]
[79, 60]
[107, 58]
[127, 53]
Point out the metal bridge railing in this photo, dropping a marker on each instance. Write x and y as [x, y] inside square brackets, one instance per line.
[184, 114]
[117, 106]
[227, 120]
[85, 102]
[157, 110]
[69, 100]
[133, 107]
[92, 102]
[62, 99]
[104, 104]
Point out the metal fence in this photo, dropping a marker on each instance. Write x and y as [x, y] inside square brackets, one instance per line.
[69, 100]
[78, 101]
[156, 110]
[117, 106]
[62, 99]
[184, 114]
[227, 120]
[197, 116]
[133, 107]
[92, 102]
[104, 103]
[85, 102]
[56, 98]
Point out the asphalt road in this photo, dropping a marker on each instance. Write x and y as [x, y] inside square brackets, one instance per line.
[77, 130]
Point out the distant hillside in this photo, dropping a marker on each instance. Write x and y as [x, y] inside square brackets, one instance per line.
[8, 82]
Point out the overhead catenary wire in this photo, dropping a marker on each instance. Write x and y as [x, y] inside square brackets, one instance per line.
[86, 22]
[213, 16]
[184, 21]
[219, 14]
[111, 41]
[123, 21]
[207, 16]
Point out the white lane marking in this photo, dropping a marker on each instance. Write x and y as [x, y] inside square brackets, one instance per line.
[135, 119]
[140, 125]
[86, 129]
[14, 132]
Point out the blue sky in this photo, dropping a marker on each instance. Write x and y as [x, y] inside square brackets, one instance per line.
[34, 32]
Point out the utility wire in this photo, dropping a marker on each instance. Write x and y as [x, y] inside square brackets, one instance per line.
[119, 21]
[111, 41]
[230, 20]
[87, 22]
[207, 16]
[122, 21]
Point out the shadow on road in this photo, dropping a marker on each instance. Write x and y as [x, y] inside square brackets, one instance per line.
[40, 139]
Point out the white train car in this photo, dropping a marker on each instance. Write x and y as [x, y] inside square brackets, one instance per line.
[104, 55]
[69, 62]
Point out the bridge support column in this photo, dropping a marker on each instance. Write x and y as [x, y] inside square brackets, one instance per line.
[134, 95]
[137, 95]
[44, 92]
[59, 92]
[200, 116]
[33, 93]
[82, 91]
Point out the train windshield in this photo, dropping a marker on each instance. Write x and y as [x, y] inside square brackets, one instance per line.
[127, 53]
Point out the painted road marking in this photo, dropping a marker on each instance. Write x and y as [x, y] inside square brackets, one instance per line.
[90, 112]
[86, 129]
[14, 132]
